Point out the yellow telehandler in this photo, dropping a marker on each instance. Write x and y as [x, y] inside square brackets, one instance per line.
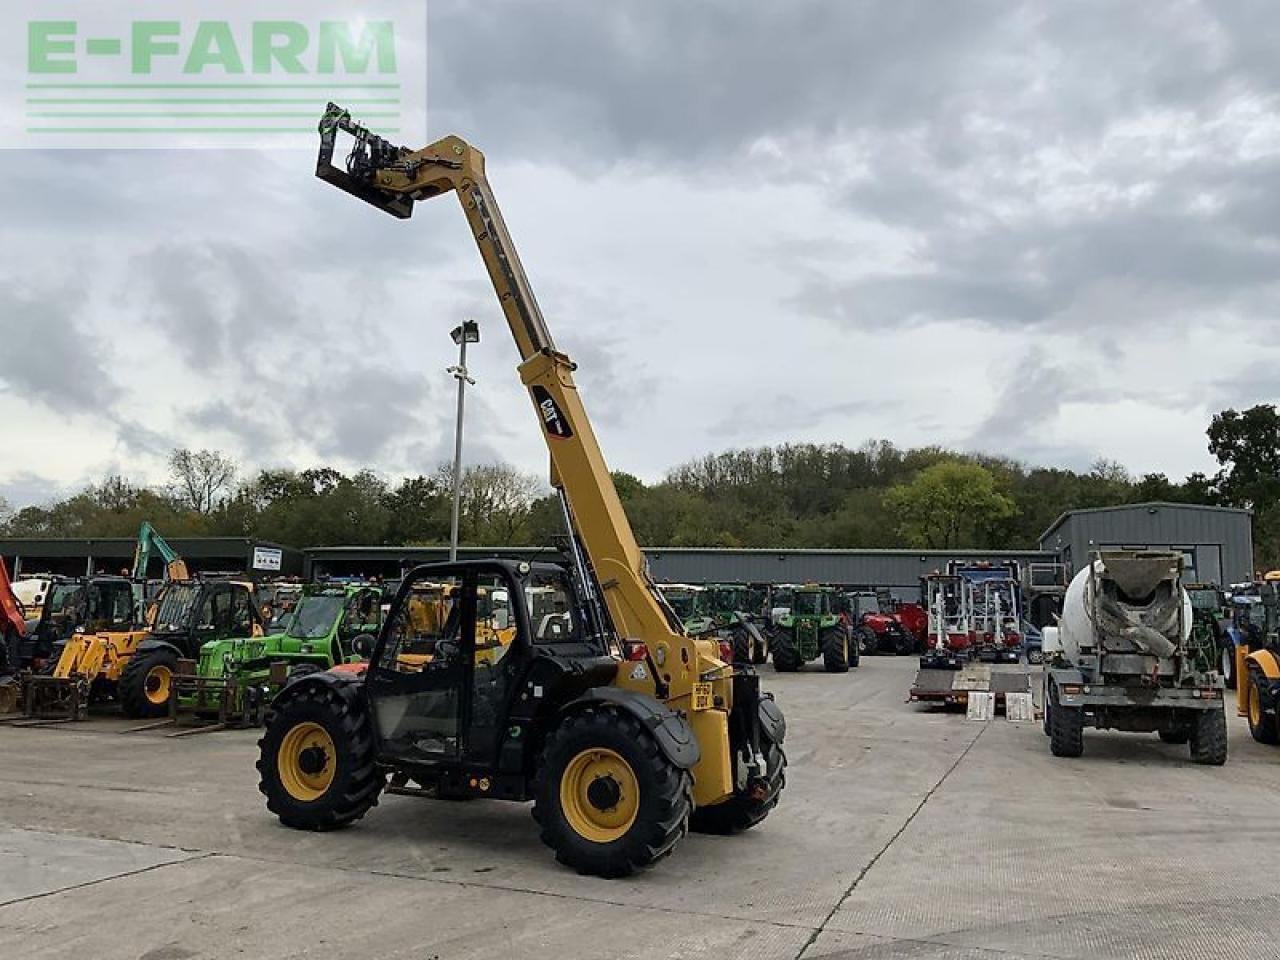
[623, 730]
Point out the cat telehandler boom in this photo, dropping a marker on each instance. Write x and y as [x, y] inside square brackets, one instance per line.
[623, 730]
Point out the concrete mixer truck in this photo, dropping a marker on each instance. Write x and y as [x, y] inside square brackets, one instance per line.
[1124, 657]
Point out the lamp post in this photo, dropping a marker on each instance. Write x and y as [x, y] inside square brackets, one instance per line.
[466, 332]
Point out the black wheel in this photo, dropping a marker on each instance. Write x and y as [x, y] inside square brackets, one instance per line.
[741, 812]
[607, 798]
[1066, 730]
[1045, 722]
[786, 658]
[904, 644]
[316, 758]
[1263, 727]
[1035, 655]
[1177, 736]
[835, 649]
[1227, 655]
[300, 670]
[741, 645]
[865, 640]
[1209, 738]
[146, 683]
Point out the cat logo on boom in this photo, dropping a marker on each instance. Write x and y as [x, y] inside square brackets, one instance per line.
[557, 425]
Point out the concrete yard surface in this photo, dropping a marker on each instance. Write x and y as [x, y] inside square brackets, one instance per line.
[904, 832]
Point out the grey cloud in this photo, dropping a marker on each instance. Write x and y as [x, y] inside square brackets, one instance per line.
[47, 355]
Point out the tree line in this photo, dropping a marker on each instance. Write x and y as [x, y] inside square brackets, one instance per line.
[790, 495]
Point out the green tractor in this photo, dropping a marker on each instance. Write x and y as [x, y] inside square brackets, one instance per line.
[690, 605]
[236, 678]
[811, 627]
[730, 606]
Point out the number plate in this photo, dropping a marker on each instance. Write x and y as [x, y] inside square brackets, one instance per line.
[702, 696]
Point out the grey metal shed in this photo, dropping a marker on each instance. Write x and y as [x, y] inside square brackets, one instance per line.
[1217, 541]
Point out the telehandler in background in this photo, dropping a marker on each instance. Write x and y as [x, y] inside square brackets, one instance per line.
[1258, 697]
[234, 678]
[133, 661]
[623, 730]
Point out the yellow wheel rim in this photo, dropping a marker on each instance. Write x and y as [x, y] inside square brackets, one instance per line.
[1255, 706]
[599, 795]
[307, 761]
[157, 685]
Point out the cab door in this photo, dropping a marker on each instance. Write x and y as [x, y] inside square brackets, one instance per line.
[419, 669]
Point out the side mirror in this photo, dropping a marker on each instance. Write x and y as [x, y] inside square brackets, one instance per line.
[362, 645]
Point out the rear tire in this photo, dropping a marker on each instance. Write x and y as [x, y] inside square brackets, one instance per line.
[1066, 731]
[904, 644]
[146, 683]
[835, 650]
[602, 746]
[331, 780]
[786, 658]
[741, 645]
[1209, 738]
[1263, 727]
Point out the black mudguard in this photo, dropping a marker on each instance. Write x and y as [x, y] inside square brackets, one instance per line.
[672, 732]
[151, 643]
[772, 723]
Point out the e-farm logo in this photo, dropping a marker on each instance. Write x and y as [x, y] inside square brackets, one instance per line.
[213, 73]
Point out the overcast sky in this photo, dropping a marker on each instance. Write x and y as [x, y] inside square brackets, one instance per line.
[1048, 231]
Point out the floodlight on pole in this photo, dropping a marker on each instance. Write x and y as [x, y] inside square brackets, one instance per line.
[466, 332]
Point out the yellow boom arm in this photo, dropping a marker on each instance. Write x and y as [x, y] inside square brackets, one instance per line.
[391, 178]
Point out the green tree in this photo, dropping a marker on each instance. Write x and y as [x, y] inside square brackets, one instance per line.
[947, 504]
[1247, 445]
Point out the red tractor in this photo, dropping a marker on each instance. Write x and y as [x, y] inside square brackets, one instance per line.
[881, 625]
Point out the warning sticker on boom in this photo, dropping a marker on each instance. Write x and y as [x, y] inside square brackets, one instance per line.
[552, 417]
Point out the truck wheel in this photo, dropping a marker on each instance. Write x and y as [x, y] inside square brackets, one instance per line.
[1066, 731]
[1178, 736]
[1263, 727]
[1209, 738]
[740, 812]
[607, 798]
[835, 650]
[146, 683]
[316, 758]
[786, 659]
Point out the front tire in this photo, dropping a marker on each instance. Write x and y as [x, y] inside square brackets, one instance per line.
[1263, 727]
[1209, 738]
[146, 683]
[835, 650]
[316, 758]
[1228, 658]
[865, 640]
[607, 798]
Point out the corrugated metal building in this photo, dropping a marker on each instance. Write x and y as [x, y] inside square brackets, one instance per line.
[899, 570]
[77, 556]
[1217, 541]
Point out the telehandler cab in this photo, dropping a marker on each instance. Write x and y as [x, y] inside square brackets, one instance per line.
[623, 730]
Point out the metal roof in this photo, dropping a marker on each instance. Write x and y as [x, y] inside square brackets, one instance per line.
[1144, 505]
